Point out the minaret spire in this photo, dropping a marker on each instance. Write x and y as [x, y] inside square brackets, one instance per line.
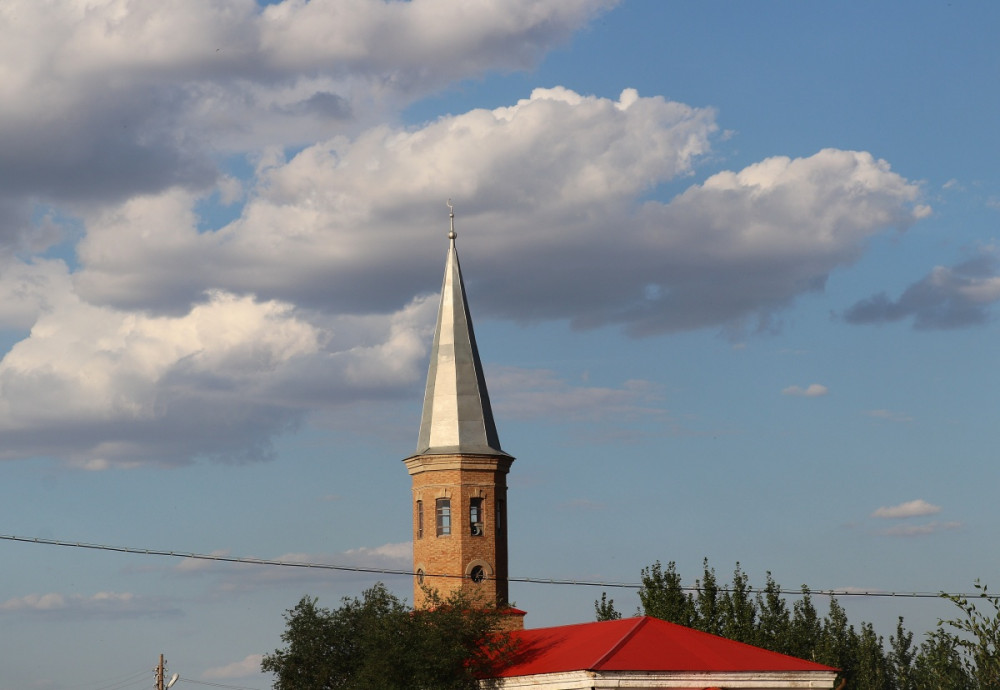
[457, 417]
[459, 471]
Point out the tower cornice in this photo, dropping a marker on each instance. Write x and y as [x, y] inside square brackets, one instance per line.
[415, 464]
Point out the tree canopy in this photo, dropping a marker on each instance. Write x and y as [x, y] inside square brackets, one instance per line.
[377, 641]
[962, 653]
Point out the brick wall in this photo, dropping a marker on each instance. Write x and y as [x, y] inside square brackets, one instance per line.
[460, 478]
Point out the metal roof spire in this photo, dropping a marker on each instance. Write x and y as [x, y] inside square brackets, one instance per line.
[457, 417]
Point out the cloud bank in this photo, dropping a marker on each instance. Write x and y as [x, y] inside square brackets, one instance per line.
[166, 311]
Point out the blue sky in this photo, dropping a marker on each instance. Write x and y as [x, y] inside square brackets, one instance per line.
[733, 269]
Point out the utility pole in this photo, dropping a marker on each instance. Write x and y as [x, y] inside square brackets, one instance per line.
[160, 671]
[159, 674]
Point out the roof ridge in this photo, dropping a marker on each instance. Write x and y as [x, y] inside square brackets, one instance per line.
[633, 629]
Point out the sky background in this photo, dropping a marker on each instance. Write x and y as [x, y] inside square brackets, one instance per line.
[734, 269]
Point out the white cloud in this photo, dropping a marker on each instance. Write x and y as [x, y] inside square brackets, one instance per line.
[100, 605]
[308, 296]
[109, 388]
[813, 390]
[248, 666]
[908, 509]
[172, 337]
[346, 223]
[30, 289]
[156, 88]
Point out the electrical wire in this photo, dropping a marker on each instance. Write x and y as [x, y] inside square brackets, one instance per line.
[215, 685]
[410, 573]
[122, 682]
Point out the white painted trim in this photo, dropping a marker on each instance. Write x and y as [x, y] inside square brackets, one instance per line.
[687, 680]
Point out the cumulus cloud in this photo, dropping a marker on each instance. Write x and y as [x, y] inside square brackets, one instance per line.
[107, 388]
[157, 89]
[813, 390]
[948, 297]
[113, 605]
[248, 666]
[344, 224]
[916, 508]
[168, 341]
[174, 335]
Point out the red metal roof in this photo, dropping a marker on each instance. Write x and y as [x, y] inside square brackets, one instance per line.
[641, 644]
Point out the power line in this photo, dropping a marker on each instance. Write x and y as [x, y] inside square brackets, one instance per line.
[127, 681]
[410, 573]
[214, 685]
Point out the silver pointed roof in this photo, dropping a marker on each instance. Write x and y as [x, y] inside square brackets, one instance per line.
[457, 417]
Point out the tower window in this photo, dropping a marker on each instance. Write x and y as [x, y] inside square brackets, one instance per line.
[476, 517]
[443, 516]
[500, 514]
[477, 574]
[420, 519]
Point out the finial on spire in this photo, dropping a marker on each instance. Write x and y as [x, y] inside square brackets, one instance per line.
[451, 216]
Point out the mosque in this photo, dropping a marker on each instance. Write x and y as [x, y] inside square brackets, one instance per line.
[459, 481]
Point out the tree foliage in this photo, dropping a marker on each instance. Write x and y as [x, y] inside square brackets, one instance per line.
[979, 636]
[962, 653]
[605, 610]
[377, 641]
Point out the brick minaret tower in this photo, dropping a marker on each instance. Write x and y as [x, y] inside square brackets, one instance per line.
[459, 470]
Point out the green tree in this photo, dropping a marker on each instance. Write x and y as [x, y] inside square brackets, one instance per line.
[873, 670]
[806, 628]
[963, 653]
[774, 622]
[939, 663]
[902, 655]
[379, 642]
[604, 609]
[739, 610]
[663, 596]
[708, 602]
[838, 645]
[979, 636]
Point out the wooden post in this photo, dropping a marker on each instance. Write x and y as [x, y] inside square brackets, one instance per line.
[159, 674]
